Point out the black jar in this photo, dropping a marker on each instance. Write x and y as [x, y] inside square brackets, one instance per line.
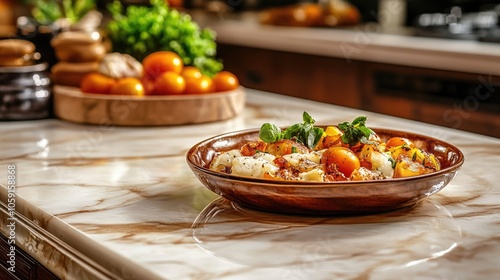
[25, 92]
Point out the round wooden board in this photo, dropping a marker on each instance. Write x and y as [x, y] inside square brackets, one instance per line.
[72, 105]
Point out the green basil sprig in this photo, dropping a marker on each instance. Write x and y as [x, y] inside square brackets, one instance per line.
[305, 132]
[356, 131]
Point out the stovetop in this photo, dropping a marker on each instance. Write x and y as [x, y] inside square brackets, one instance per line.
[482, 26]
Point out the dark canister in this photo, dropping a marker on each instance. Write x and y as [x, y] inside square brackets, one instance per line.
[25, 92]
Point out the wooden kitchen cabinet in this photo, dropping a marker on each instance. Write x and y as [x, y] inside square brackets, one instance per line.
[318, 78]
[464, 101]
[27, 268]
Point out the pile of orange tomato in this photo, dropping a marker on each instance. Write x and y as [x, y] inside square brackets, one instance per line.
[164, 74]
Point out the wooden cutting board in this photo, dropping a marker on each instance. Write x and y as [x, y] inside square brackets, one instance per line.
[72, 105]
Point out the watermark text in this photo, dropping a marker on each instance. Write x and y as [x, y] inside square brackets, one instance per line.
[11, 220]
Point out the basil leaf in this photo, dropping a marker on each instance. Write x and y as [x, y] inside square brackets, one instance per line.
[307, 118]
[393, 162]
[343, 126]
[292, 131]
[270, 133]
[304, 133]
[365, 131]
[345, 138]
[356, 131]
[317, 133]
[359, 121]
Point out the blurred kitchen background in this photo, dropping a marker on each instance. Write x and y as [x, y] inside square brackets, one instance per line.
[452, 19]
[439, 93]
[477, 19]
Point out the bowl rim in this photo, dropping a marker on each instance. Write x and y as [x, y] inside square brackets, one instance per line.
[277, 183]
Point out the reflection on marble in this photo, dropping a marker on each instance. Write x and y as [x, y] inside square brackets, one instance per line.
[121, 203]
[400, 238]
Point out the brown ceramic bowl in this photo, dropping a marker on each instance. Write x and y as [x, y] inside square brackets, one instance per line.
[320, 198]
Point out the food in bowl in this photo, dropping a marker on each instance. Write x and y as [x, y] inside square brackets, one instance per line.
[323, 198]
[347, 152]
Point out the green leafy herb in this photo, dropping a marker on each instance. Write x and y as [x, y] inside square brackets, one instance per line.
[142, 29]
[305, 132]
[270, 133]
[405, 147]
[393, 162]
[355, 132]
[47, 11]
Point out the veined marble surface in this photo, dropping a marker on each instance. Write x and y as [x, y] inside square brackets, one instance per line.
[121, 203]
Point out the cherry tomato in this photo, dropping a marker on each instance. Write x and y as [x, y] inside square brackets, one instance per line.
[175, 3]
[128, 86]
[97, 83]
[148, 83]
[169, 83]
[331, 137]
[329, 141]
[341, 158]
[398, 141]
[405, 167]
[251, 148]
[160, 62]
[225, 81]
[191, 72]
[285, 147]
[199, 85]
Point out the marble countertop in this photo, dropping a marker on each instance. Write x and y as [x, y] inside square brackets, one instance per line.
[366, 42]
[105, 202]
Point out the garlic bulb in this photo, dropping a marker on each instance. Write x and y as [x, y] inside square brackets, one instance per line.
[118, 65]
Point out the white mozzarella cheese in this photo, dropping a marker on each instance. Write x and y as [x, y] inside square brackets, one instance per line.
[295, 158]
[381, 163]
[252, 167]
[224, 160]
[315, 174]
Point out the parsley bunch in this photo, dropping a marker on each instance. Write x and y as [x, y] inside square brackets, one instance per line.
[304, 132]
[141, 30]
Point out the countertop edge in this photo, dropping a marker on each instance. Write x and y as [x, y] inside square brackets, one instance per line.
[45, 248]
[68, 253]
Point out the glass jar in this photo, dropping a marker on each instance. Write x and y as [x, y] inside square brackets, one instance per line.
[25, 92]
